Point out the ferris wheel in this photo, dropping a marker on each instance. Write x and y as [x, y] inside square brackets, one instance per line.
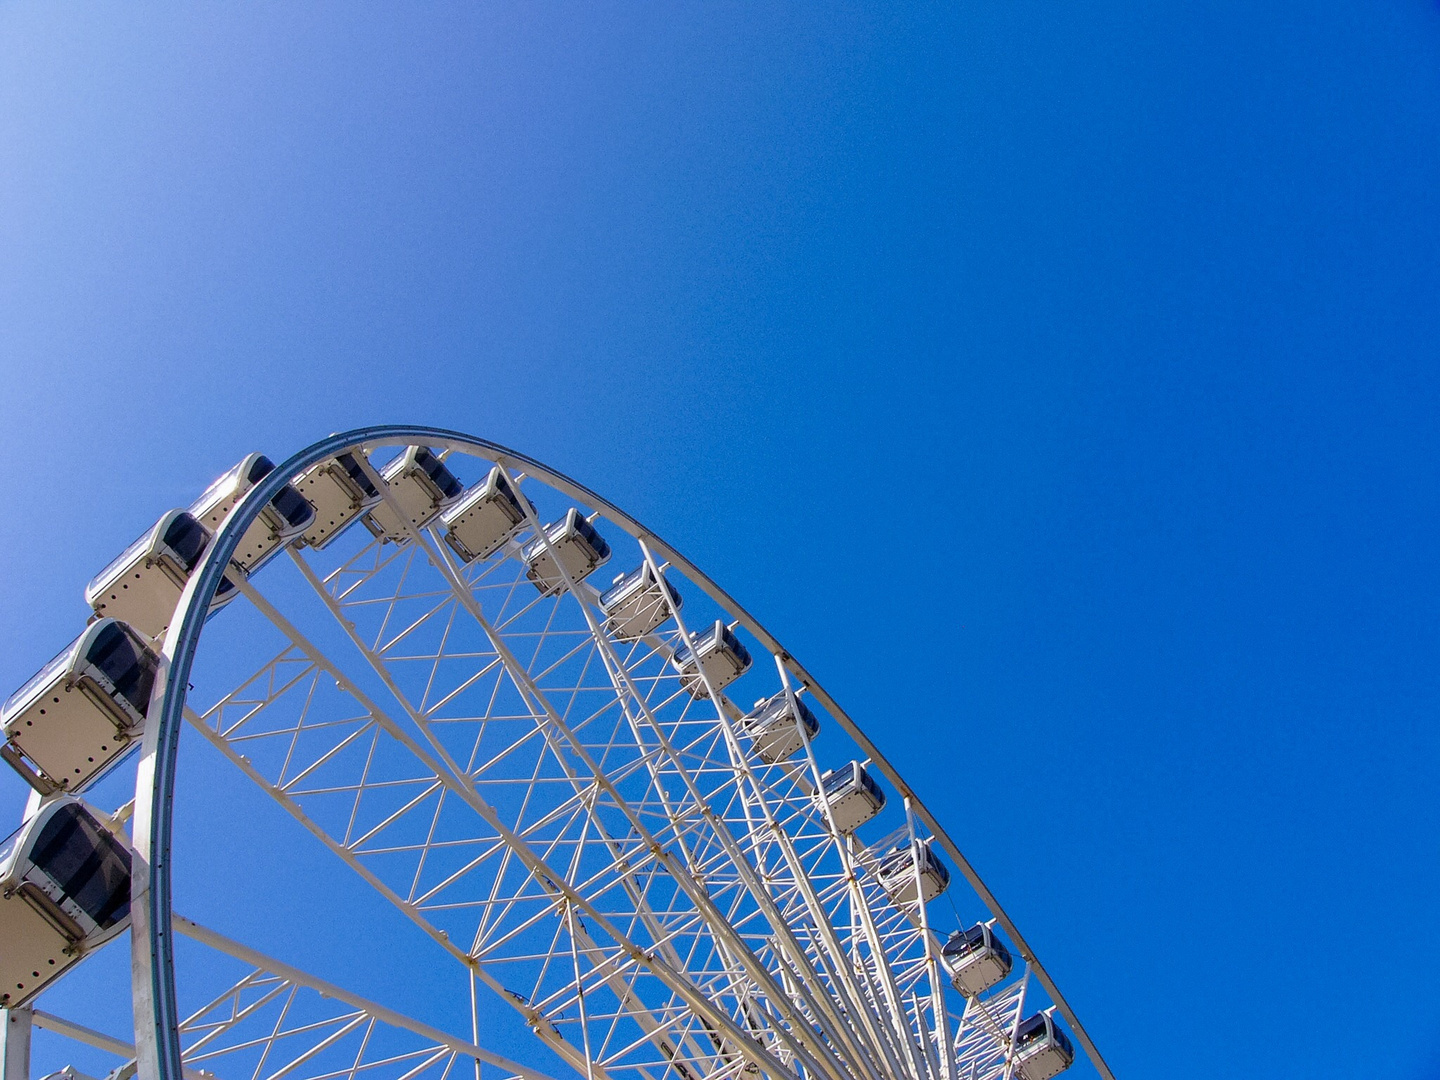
[588, 795]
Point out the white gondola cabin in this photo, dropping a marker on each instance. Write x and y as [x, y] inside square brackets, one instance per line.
[721, 656]
[422, 485]
[280, 522]
[78, 714]
[64, 891]
[484, 518]
[853, 796]
[142, 585]
[634, 604]
[773, 729]
[897, 873]
[977, 959]
[1042, 1050]
[340, 490]
[575, 542]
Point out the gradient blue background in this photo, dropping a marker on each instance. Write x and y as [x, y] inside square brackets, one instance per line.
[1058, 381]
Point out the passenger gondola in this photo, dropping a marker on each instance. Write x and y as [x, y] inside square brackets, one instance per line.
[1042, 1049]
[977, 959]
[772, 728]
[279, 523]
[721, 657]
[142, 585]
[340, 490]
[634, 605]
[575, 542]
[64, 891]
[897, 873]
[422, 485]
[853, 796]
[484, 518]
[79, 713]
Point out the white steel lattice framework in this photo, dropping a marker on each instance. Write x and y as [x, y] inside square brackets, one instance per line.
[583, 826]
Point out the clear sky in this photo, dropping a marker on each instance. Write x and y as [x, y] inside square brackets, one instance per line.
[1059, 382]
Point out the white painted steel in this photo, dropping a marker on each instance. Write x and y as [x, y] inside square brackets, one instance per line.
[583, 824]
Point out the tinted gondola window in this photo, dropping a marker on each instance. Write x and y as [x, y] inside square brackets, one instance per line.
[132, 670]
[187, 539]
[871, 786]
[442, 477]
[262, 468]
[999, 947]
[87, 863]
[358, 475]
[1030, 1030]
[965, 942]
[292, 506]
[743, 655]
[593, 537]
[502, 487]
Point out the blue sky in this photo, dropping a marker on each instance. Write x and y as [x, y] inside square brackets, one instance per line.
[1055, 381]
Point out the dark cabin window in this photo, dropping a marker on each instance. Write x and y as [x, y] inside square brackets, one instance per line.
[806, 716]
[965, 941]
[502, 487]
[872, 787]
[262, 468]
[87, 863]
[292, 506]
[358, 475]
[442, 477]
[741, 653]
[130, 668]
[1031, 1030]
[592, 537]
[187, 538]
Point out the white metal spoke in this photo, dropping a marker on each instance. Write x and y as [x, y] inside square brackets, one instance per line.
[589, 825]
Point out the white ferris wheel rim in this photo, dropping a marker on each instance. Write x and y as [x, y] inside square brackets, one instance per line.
[157, 1019]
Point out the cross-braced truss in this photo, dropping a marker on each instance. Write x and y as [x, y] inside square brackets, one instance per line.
[585, 821]
[585, 825]
[271, 1021]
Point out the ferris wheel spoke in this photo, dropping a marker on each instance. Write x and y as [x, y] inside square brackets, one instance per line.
[574, 743]
[447, 776]
[522, 678]
[407, 907]
[555, 782]
[833, 1026]
[311, 1018]
[378, 664]
[840, 962]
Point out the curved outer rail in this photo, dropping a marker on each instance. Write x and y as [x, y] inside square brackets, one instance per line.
[152, 950]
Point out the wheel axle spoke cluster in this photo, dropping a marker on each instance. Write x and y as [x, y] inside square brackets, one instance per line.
[617, 805]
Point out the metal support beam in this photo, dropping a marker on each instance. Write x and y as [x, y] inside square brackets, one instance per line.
[100, 1041]
[15, 1042]
[245, 954]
